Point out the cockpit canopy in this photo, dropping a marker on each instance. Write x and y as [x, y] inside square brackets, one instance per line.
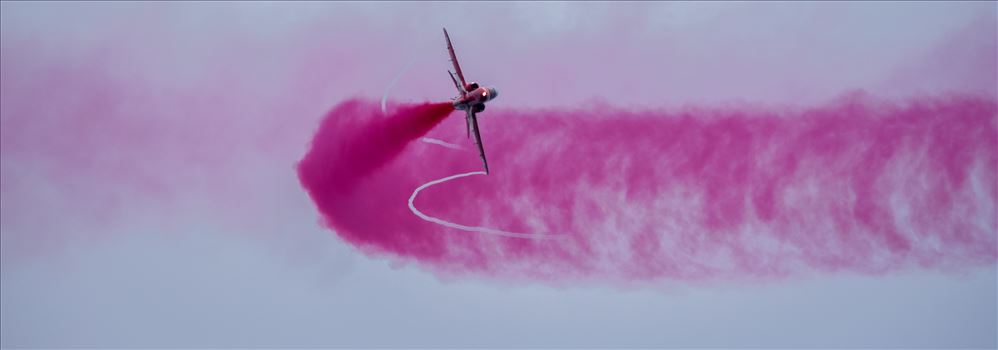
[471, 86]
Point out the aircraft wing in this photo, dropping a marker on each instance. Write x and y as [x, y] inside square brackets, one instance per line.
[467, 122]
[460, 88]
[478, 139]
[453, 59]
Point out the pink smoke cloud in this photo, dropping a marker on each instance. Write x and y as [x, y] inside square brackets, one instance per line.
[859, 184]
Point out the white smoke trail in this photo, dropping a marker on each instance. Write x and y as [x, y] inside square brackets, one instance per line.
[478, 229]
[384, 98]
[441, 143]
[430, 140]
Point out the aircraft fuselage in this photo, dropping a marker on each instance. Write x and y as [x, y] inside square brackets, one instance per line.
[475, 97]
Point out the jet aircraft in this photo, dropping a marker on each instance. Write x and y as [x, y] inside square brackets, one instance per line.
[471, 98]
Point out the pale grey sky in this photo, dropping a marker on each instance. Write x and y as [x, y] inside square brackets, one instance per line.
[230, 254]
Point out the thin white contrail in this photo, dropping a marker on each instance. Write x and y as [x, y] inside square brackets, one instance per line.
[486, 230]
[384, 98]
[441, 143]
[478, 229]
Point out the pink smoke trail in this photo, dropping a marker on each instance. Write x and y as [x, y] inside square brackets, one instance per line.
[858, 185]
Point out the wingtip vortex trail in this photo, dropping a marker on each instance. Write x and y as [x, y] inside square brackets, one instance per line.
[477, 229]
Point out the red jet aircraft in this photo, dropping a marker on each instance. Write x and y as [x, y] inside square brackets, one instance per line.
[471, 98]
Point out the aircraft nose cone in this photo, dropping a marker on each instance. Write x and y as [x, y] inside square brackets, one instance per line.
[493, 92]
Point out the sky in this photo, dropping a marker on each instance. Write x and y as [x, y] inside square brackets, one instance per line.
[150, 195]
